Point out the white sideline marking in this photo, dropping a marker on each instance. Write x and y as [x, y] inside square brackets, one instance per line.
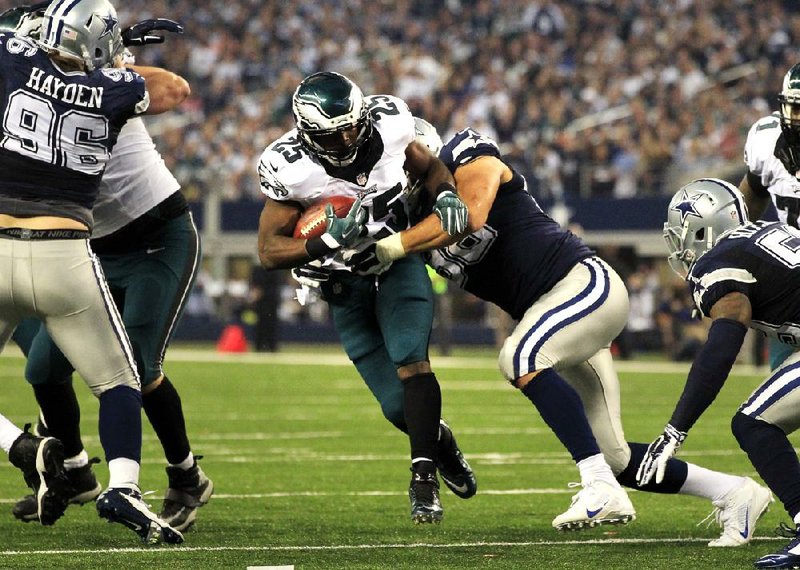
[332, 547]
[270, 567]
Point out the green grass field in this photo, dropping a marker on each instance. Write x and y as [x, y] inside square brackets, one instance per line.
[308, 474]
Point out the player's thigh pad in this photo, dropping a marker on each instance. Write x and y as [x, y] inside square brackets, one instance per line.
[404, 307]
[777, 399]
[156, 280]
[351, 300]
[72, 298]
[581, 314]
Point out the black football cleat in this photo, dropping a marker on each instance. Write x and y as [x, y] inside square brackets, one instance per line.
[453, 467]
[84, 488]
[125, 506]
[789, 555]
[188, 491]
[424, 495]
[41, 460]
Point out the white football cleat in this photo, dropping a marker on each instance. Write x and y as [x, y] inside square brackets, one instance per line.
[597, 503]
[738, 513]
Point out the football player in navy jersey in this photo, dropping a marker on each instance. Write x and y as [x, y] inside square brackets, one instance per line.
[570, 305]
[149, 250]
[352, 145]
[741, 275]
[64, 100]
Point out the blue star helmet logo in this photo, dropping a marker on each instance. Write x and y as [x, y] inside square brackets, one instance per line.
[109, 21]
[686, 206]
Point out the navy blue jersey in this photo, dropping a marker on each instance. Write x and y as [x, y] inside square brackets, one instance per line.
[58, 130]
[762, 261]
[520, 253]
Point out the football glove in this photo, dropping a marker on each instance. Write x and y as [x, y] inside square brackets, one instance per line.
[311, 274]
[657, 455]
[344, 231]
[365, 262]
[141, 34]
[788, 154]
[452, 212]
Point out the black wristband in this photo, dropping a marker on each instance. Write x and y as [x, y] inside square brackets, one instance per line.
[316, 248]
[445, 187]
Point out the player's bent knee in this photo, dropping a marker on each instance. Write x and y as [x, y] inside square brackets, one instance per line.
[129, 380]
[617, 458]
[751, 432]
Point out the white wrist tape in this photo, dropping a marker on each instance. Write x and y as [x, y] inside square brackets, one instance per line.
[390, 248]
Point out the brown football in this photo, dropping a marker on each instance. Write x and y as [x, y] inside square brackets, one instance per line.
[312, 222]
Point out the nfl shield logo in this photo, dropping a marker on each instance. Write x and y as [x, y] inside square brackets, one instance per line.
[361, 179]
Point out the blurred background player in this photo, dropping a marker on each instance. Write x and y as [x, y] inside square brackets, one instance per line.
[772, 155]
[348, 144]
[570, 305]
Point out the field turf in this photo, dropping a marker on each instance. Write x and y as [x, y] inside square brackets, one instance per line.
[309, 474]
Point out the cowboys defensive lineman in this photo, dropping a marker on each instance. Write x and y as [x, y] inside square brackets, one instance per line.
[348, 144]
[63, 108]
[570, 305]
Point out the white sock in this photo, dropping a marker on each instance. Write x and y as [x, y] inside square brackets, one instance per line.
[123, 472]
[76, 461]
[702, 482]
[8, 433]
[596, 468]
[186, 464]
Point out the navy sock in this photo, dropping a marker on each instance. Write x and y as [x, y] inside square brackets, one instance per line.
[164, 410]
[561, 409]
[120, 423]
[772, 455]
[62, 414]
[674, 476]
[423, 408]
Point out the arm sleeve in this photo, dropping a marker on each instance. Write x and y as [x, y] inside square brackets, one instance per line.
[709, 371]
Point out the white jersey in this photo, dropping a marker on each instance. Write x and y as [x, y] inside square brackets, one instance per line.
[759, 155]
[288, 172]
[135, 180]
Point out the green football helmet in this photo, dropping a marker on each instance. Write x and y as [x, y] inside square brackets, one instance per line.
[789, 99]
[332, 117]
[87, 30]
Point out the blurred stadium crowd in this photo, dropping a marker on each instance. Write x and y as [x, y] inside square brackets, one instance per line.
[600, 97]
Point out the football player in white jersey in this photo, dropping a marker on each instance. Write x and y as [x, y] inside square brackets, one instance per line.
[148, 248]
[348, 144]
[772, 155]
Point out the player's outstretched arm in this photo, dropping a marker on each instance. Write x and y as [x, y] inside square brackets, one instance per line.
[731, 316]
[167, 89]
[756, 195]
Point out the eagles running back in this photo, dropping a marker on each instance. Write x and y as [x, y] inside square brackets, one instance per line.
[289, 172]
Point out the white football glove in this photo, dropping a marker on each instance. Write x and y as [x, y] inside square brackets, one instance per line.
[658, 454]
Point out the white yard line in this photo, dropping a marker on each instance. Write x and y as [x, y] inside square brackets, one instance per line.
[334, 547]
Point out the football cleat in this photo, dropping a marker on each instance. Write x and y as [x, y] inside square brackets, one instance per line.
[41, 460]
[453, 467]
[84, 488]
[125, 506]
[739, 511]
[188, 490]
[424, 495]
[789, 556]
[597, 503]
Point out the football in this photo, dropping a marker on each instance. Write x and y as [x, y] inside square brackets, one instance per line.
[312, 222]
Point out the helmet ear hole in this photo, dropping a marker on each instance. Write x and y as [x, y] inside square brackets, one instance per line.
[700, 234]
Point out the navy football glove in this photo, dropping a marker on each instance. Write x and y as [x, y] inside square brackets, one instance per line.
[141, 34]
